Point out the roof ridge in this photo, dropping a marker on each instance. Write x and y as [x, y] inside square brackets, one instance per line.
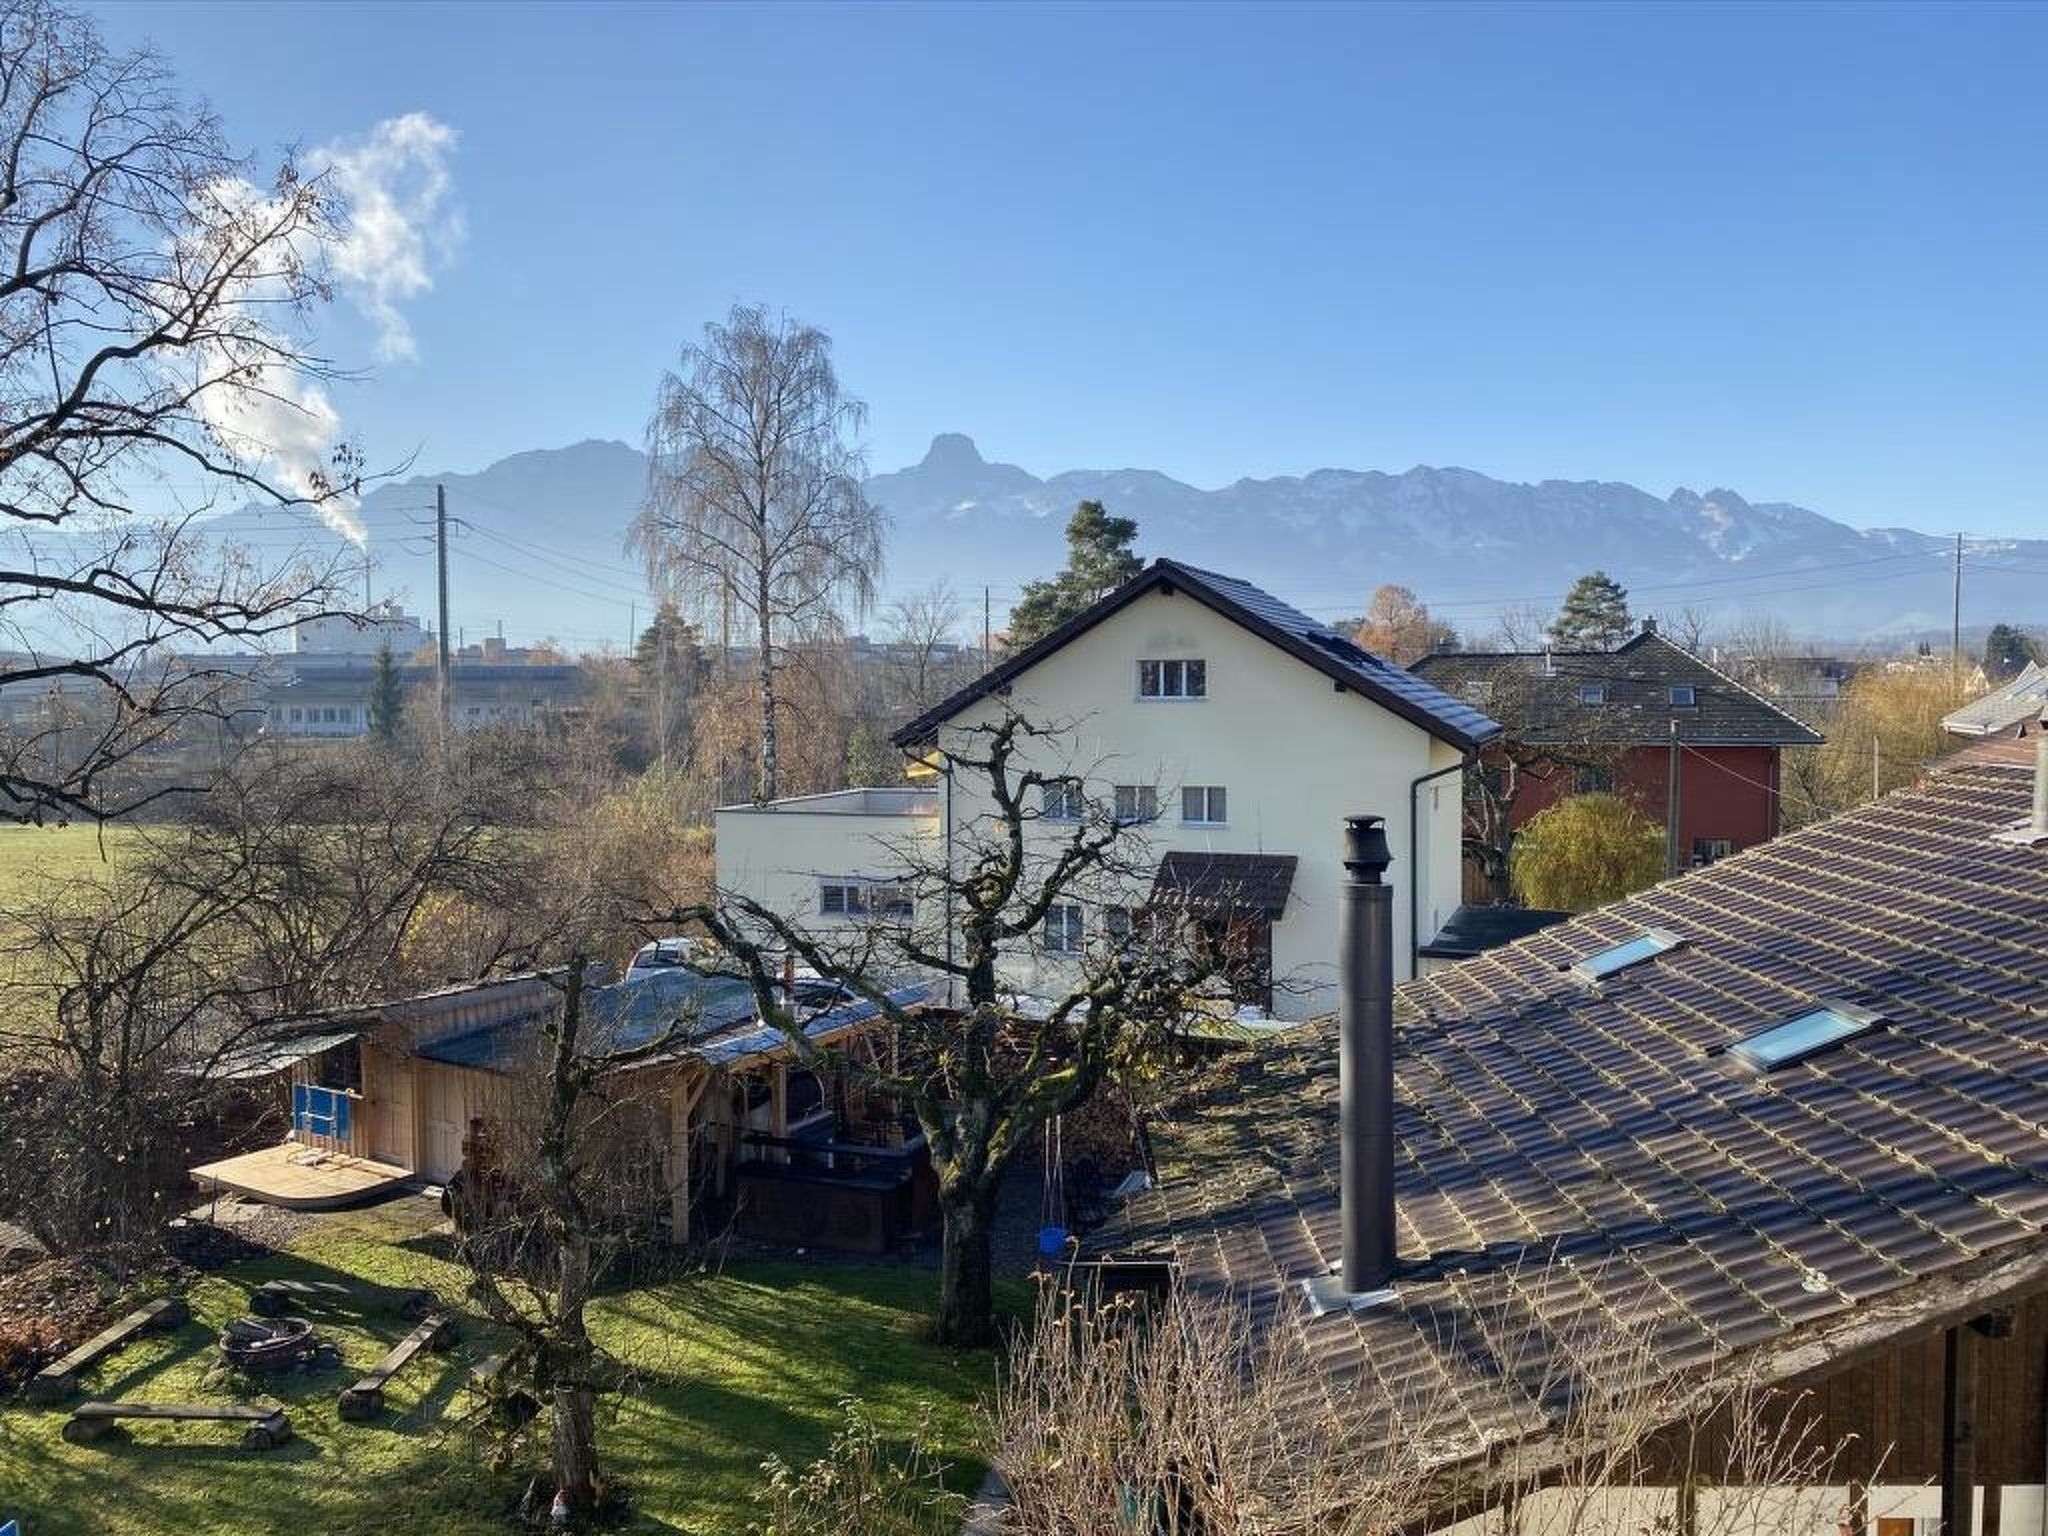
[1286, 628]
[1733, 682]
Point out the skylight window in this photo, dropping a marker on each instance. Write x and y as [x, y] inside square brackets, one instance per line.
[1684, 696]
[1647, 945]
[1592, 693]
[1805, 1035]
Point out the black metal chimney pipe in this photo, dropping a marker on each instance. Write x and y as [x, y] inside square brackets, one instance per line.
[1365, 1055]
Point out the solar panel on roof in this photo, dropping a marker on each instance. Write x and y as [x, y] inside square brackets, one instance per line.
[1803, 1035]
[1647, 945]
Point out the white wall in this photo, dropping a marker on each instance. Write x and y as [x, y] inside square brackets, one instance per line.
[777, 854]
[1295, 754]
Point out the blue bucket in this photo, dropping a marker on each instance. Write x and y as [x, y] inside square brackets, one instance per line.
[1052, 1241]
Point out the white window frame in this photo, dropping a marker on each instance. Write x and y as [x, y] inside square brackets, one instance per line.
[1065, 929]
[1691, 699]
[1214, 805]
[863, 898]
[1592, 693]
[1064, 801]
[1177, 680]
[1136, 804]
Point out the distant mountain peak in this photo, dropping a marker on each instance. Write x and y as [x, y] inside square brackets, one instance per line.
[550, 558]
[953, 452]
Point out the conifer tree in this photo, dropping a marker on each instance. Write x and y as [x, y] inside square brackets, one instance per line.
[1595, 615]
[1099, 560]
[2007, 651]
[387, 697]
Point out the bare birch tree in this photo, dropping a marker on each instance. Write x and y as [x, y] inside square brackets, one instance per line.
[152, 362]
[754, 494]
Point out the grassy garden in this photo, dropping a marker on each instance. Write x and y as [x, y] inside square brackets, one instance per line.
[33, 859]
[729, 1367]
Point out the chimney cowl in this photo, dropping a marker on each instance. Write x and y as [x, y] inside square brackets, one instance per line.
[1366, 854]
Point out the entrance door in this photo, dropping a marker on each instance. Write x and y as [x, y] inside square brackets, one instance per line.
[446, 1116]
[387, 1083]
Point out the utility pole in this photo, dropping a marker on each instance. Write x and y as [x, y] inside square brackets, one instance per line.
[1876, 779]
[441, 553]
[1955, 634]
[632, 626]
[1671, 808]
[986, 646]
[660, 693]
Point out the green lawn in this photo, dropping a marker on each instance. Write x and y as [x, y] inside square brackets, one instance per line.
[34, 857]
[730, 1367]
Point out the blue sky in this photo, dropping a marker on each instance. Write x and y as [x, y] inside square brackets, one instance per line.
[1800, 252]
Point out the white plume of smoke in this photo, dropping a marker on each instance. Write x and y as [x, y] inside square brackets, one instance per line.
[396, 227]
[402, 224]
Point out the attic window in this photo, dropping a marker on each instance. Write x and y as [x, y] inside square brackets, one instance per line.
[1684, 696]
[1647, 945]
[1592, 693]
[1804, 1035]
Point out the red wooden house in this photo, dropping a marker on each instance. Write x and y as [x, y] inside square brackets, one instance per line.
[1627, 720]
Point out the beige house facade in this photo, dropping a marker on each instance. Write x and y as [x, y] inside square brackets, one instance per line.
[1233, 733]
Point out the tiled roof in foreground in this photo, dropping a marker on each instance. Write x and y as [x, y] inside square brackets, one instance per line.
[1582, 1160]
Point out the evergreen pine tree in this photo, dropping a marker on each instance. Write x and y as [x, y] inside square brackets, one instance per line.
[2007, 651]
[387, 697]
[1099, 560]
[670, 662]
[1595, 615]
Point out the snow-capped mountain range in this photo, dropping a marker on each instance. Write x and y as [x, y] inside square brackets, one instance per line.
[541, 547]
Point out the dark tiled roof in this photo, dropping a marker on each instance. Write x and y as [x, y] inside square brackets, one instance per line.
[1571, 1152]
[1394, 688]
[1535, 695]
[1250, 882]
[1473, 930]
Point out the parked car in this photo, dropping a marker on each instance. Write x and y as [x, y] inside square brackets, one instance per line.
[668, 954]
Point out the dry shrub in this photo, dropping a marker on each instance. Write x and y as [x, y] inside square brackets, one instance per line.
[1180, 1417]
[862, 1483]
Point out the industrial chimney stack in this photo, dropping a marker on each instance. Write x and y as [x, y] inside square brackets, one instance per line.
[1365, 1061]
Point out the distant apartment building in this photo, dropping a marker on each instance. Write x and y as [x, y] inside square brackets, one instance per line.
[335, 700]
[386, 626]
[322, 688]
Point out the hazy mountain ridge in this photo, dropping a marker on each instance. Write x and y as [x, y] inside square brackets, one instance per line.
[543, 549]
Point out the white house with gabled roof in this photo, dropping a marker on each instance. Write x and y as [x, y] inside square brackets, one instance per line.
[1238, 730]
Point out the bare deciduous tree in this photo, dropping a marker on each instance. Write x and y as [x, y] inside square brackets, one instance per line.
[545, 1213]
[130, 998]
[152, 304]
[1690, 626]
[923, 634]
[754, 494]
[1571, 754]
[984, 1070]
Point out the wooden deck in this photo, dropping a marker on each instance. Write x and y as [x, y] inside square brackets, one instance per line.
[302, 1178]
